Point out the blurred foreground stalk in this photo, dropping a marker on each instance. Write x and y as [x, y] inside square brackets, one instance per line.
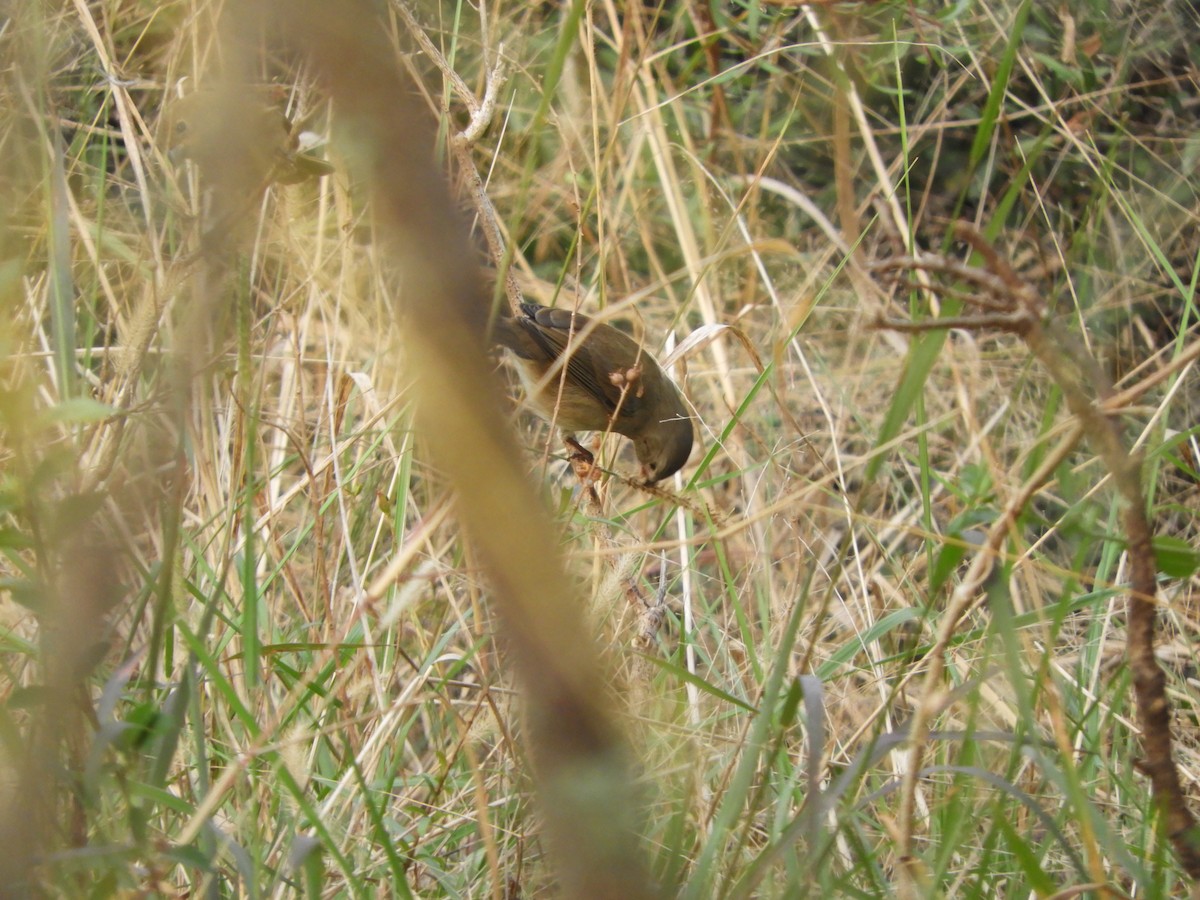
[581, 772]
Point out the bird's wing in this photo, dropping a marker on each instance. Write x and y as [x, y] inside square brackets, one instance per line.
[552, 329]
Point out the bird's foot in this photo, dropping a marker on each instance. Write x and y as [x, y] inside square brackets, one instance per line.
[582, 460]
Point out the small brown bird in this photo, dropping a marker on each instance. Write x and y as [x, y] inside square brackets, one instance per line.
[608, 383]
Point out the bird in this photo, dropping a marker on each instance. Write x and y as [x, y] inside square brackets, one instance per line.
[608, 383]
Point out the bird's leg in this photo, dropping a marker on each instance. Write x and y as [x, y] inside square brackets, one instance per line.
[582, 460]
[578, 452]
[583, 464]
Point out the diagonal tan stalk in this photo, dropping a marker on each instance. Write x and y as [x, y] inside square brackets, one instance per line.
[579, 757]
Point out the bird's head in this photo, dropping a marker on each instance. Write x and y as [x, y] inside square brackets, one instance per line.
[664, 447]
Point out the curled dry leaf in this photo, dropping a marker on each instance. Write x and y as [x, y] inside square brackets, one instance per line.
[705, 335]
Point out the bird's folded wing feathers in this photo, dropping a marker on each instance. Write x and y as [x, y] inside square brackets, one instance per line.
[552, 330]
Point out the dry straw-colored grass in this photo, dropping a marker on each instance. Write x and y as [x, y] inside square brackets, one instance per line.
[242, 616]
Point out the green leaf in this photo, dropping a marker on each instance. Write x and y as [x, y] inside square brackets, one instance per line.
[1176, 557]
[1041, 882]
[14, 539]
[892, 621]
[684, 675]
[944, 565]
[79, 411]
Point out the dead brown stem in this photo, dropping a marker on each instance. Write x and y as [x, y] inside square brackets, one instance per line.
[1084, 386]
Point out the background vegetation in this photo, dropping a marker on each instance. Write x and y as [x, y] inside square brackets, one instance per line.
[246, 648]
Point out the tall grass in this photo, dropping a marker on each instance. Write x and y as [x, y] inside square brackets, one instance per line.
[247, 648]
